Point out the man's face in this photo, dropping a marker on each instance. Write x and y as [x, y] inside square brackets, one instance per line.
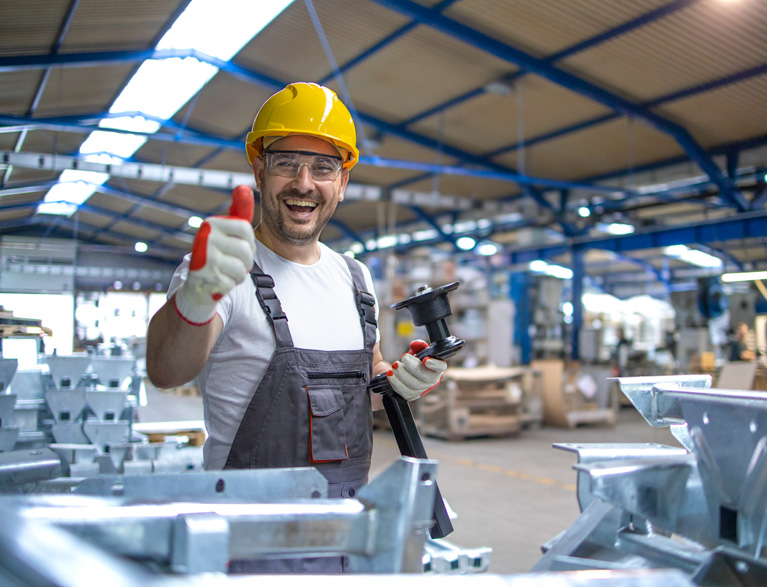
[296, 210]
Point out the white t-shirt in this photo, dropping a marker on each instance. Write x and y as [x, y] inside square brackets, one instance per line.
[322, 314]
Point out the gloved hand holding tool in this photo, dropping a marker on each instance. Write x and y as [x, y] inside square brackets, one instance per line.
[415, 374]
[412, 377]
[222, 257]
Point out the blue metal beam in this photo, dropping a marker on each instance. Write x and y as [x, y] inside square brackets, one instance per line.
[746, 225]
[343, 227]
[89, 59]
[45, 219]
[563, 78]
[77, 124]
[431, 221]
[640, 21]
[383, 43]
[678, 95]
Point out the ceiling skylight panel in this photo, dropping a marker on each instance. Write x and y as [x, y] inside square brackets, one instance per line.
[160, 88]
[220, 28]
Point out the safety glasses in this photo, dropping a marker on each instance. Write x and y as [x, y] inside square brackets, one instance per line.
[289, 163]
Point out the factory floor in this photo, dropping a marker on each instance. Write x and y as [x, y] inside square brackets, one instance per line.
[510, 494]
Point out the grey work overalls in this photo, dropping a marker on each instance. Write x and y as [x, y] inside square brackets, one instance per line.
[311, 409]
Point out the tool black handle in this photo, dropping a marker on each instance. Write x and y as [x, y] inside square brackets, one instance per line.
[410, 445]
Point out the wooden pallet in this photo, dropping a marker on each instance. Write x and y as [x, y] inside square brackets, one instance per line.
[160, 432]
[484, 401]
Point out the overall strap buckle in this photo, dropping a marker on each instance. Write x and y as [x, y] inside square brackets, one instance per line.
[267, 298]
[366, 307]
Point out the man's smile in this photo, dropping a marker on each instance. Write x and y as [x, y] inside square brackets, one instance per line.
[299, 207]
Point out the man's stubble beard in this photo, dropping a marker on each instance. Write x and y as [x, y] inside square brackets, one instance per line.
[275, 217]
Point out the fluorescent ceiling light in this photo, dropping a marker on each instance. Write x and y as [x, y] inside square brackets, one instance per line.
[387, 240]
[584, 212]
[487, 249]
[744, 276]
[616, 228]
[693, 256]
[160, 88]
[465, 226]
[422, 235]
[357, 248]
[557, 271]
[195, 222]
[140, 247]
[465, 243]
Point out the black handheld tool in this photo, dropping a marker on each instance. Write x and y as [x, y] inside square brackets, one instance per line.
[427, 308]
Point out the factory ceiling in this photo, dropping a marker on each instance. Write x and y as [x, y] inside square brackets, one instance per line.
[614, 128]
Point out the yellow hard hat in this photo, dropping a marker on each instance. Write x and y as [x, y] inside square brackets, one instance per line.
[305, 109]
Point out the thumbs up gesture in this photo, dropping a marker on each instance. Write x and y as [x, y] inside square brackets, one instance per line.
[222, 257]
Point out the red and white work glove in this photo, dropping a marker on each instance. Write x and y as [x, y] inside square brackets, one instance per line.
[222, 257]
[412, 377]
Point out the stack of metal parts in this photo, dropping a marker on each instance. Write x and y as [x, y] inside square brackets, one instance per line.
[9, 430]
[212, 517]
[80, 408]
[700, 508]
[152, 530]
[87, 402]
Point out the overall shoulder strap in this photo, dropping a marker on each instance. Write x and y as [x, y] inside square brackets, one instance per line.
[365, 302]
[269, 302]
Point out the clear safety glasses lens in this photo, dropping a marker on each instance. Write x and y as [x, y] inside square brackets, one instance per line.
[289, 163]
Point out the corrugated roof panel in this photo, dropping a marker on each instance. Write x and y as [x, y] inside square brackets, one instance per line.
[116, 204]
[167, 219]
[197, 198]
[14, 216]
[707, 41]
[112, 25]
[129, 229]
[168, 153]
[289, 49]
[225, 107]
[610, 146]
[490, 121]
[18, 89]
[30, 27]
[474, 188]
[725, 115]
[418, 71]
[93, 219]
[47, 141]
[82, 90]
[545, 27]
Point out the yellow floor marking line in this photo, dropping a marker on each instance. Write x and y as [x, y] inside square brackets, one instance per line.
[508, 472]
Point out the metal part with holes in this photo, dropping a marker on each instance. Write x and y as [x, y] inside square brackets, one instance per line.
[383, 530]
[701, 509]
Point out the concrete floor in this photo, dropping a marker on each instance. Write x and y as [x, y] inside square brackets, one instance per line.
[510, 494]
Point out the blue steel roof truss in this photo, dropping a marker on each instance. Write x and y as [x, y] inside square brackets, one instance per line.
[482, 165]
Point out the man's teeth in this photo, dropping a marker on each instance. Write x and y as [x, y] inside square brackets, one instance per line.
[301, 203]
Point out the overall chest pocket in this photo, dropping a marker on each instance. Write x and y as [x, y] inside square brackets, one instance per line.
[326, 424]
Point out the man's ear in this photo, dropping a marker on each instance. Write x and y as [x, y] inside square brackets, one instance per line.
[344, 182]
[258, 171]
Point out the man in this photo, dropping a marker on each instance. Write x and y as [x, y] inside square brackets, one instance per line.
[280, 330]
[738, 349]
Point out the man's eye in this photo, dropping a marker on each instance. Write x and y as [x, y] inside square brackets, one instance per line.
[284, 163]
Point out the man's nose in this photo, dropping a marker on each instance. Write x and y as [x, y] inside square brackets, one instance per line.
[303, 178]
